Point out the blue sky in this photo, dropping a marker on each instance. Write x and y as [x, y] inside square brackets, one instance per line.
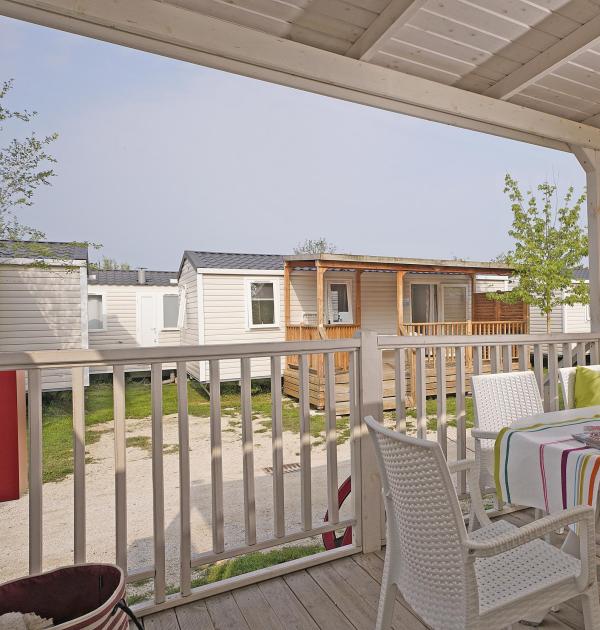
[156, 156]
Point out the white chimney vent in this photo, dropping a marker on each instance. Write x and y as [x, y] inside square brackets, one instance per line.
[141, 275]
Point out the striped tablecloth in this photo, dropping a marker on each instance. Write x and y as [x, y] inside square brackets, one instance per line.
[540, 465]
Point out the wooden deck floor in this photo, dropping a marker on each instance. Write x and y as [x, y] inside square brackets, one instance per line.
[340, 595]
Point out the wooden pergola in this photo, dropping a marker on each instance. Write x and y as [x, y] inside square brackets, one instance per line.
[321, 263]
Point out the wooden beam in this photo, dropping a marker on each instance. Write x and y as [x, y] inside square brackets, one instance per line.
[395, 14]
[287, 309]
[400, 302]
[590, 161]
[180, 33]
[357, 298]
[320, 296]
[586, 36]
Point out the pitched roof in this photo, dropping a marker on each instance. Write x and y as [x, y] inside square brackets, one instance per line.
[43, 250]
[130, 277]
[223, 260]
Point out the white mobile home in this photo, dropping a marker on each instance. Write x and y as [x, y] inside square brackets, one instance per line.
[564, 319]
[231, 298]
[43, 301]
[131, 309]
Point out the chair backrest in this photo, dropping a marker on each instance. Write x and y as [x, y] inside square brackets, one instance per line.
[500, 399]
[567, 382]
[425, 527]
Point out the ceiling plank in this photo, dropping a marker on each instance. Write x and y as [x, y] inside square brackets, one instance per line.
[167, 30]
[397, 13]
[585, 36]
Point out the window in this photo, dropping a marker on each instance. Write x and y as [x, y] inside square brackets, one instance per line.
[340, 310]
[170, 311]
[95, 312]
[262, 304]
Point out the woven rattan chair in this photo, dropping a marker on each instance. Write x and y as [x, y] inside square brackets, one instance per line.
[453, 580]
[567, 382]
[499, 400]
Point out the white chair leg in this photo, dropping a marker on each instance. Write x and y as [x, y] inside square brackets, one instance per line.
[591, 609]
[387, 597]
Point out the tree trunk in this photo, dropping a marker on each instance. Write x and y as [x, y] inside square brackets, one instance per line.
[548, 322]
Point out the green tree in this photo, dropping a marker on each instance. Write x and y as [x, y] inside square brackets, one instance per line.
[109, 264]
[25, 166]
[315, 246]
[549, 245]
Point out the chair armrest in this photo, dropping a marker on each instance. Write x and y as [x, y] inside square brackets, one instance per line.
[482, 434]
[582, 514]
[531, 531]
[461, 464]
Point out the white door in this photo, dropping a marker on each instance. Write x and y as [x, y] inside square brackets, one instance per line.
[147, 329]
[340, 307]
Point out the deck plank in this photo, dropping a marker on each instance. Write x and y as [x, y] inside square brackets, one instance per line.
[317, 603]
[344, 597]
[225, 613]
[256, 609]
[194, 615]
[288, 609]
[165, 620]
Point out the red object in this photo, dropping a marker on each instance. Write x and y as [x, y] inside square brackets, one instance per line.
[330, 540]
[13, 434]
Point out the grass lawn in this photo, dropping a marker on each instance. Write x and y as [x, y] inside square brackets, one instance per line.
[57, 417]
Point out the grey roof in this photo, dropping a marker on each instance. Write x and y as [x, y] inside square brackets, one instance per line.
[43, 250]
[130, 277]
[223, 260]
[581, 274]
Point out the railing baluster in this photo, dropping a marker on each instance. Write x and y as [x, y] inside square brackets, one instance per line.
[477, 360]
[216, 456]
[523, 359]
[567, 355]
[538, 368]
[120, 466]
[331, 440]
[552, 377]
[158, 492]
[185, 543]
[507, 358]
[355, 454]
[248, 452]
[461, 420]
[400, 369]
[79, 521]
[440, 373]
[305, 455]
[581, 354]
[34, 385]
[421, 392]
[594, 353]
[277, 444]
[494, 360]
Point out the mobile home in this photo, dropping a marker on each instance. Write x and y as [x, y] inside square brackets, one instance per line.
[131, 309]
[43, 301]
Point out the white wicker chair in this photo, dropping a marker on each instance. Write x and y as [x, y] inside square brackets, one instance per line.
[499, 400]
[567, 382]
[457, 581]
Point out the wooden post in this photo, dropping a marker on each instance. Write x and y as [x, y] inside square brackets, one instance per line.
[320, 314]
[370, 404]
[590, 161]
[400, 301]
[473, 293]
[357, 298]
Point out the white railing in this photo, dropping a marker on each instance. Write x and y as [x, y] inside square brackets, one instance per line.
[365, 360]
[35, 363]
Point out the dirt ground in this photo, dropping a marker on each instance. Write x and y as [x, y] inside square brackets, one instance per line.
[58, 497]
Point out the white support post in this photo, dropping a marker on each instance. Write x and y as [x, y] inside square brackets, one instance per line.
[370, 404]
[590, 161]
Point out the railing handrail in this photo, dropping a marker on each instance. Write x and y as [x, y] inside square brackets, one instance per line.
[168, 354]
[444, 341]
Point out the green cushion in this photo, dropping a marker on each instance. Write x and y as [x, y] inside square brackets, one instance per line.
[587, 387]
